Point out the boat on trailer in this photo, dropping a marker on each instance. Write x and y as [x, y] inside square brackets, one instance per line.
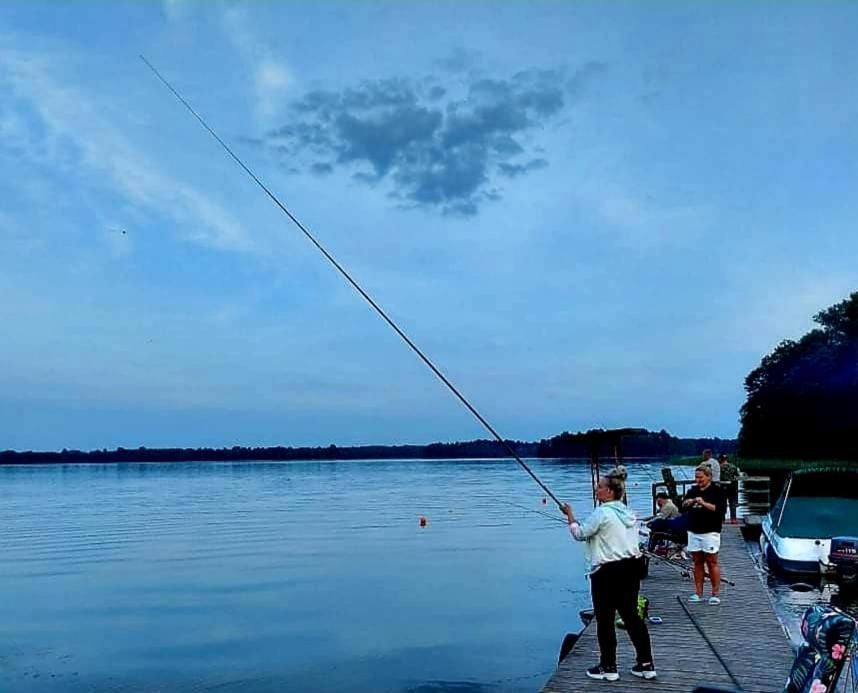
[812, 529]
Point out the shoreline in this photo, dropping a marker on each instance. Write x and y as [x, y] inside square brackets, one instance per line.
[203, 460]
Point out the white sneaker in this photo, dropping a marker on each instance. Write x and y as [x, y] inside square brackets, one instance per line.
[694, 598]
[714, 601]
[644, 671]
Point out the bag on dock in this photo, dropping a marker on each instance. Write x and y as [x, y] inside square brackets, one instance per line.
[643, 612]
[827, 632]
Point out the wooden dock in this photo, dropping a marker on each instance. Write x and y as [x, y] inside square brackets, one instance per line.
[743, 629]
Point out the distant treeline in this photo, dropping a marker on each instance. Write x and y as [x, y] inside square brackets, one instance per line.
[647, 444]
[803, 397]
[564, 445]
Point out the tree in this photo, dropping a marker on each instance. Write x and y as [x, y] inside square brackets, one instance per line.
[803, 397]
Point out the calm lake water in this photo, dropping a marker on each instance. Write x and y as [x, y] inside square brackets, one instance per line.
[289, 576]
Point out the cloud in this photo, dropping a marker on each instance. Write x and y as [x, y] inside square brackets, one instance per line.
[436, 93]
[513, 170]
[65, 128]
[433, 148]
[271, 77]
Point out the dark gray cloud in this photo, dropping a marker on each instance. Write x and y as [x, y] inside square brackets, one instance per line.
[434, 146]
[514, 170]
[436, 93]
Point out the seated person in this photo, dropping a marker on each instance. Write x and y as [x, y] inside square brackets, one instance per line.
[667, 523]
[666, 509]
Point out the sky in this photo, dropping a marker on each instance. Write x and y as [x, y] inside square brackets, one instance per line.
[587, 215]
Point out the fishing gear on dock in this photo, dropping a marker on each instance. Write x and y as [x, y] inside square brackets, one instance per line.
[506, 446]
[676, 567]
[684, 567]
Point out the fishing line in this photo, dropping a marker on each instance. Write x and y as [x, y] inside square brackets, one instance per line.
[506, 446]
[538, 512]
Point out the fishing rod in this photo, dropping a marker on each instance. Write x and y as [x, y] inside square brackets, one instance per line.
[678, 568]
[506, 446]
[684, 567]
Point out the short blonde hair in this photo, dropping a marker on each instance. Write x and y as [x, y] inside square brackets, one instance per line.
[705, 468]
[615, 485]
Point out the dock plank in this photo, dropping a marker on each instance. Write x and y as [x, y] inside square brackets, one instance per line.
[743, 628]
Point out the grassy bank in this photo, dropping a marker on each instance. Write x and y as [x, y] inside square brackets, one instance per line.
[754, 465]
[786, 465]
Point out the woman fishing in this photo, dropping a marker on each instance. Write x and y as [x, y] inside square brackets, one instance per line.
[610, 552]
[612, 555]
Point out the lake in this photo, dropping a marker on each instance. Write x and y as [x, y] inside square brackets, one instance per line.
[294, 576]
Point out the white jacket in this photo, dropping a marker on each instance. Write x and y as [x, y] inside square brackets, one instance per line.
[610, 534]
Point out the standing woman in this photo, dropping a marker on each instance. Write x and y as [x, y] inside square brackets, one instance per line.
[705, 503]
[613, 558]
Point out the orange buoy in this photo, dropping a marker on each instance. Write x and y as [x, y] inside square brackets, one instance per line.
[422, 521]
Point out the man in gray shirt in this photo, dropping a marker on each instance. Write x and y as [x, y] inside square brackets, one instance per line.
[659, 527]
[666, 509]
[712, 463]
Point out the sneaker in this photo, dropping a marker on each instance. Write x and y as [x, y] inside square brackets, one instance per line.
[714, 601]
[603, 673]
[644, 671]
[694, 598]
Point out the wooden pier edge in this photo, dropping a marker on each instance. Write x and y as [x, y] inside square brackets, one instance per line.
[743, 629]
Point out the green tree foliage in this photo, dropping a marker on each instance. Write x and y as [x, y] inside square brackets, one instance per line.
[644, 444]
[803, 397]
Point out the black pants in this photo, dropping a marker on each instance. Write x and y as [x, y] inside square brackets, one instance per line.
[733, 497]
[731, 490]
[615, 587]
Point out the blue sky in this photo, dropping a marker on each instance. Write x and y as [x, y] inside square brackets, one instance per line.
[588, 214]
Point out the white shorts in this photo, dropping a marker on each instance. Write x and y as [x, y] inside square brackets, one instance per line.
[707, 543]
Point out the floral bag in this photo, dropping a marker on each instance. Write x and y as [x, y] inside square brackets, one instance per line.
[827, 632]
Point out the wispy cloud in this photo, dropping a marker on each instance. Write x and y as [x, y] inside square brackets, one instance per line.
[67, 126]
[434, 148]
[271, 77]
[643, 221]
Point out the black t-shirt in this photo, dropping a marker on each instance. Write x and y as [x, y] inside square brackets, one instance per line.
[701, 520]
